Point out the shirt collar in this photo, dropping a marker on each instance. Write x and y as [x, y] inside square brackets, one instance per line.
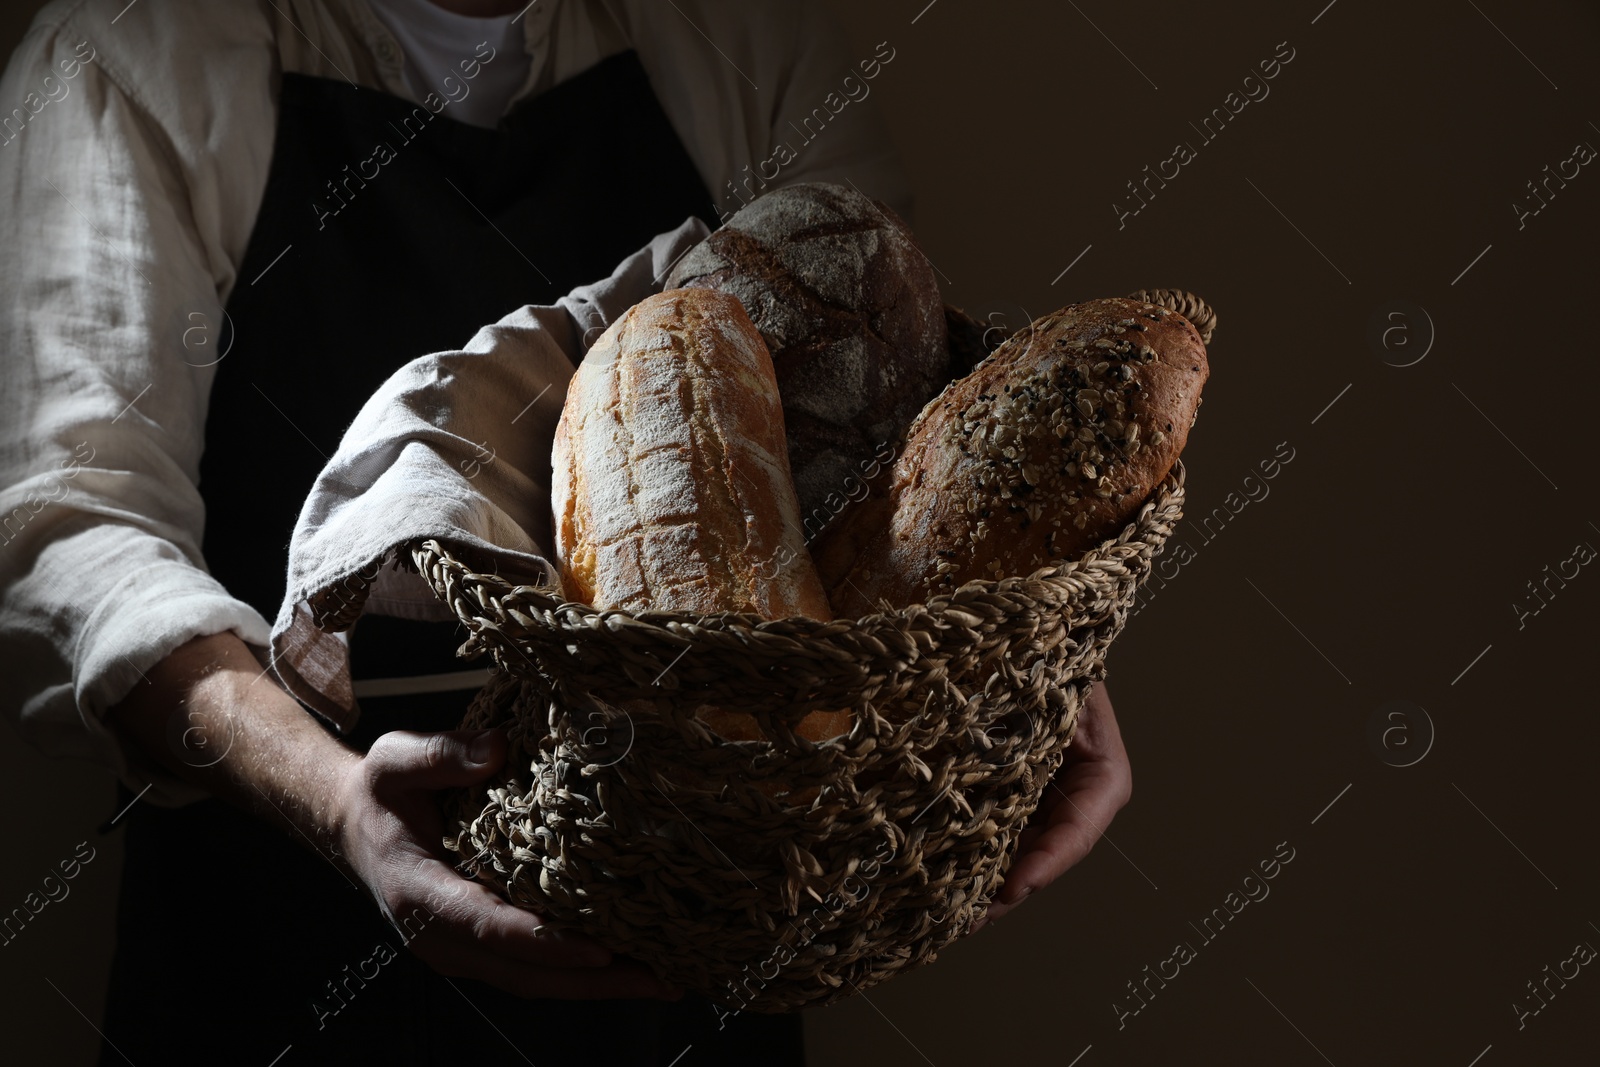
[536, 21]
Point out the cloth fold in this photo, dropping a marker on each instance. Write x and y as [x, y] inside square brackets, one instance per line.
[454, 446]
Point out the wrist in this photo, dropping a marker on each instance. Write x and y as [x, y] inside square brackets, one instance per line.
[340, 819]
[211, 716]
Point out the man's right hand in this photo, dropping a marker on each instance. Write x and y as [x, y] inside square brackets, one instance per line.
[390, 831]
[376, 816]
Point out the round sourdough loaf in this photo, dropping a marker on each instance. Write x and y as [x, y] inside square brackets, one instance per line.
[1046, 449]
[850, 311]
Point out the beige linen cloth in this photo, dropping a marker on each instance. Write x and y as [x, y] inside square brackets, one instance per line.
[455, 446]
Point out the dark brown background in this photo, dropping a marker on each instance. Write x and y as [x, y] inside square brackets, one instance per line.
[1385, 559]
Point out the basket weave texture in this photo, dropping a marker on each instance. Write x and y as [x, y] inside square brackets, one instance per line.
[772, 875]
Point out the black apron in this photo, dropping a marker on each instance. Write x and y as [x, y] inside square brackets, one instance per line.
[361, 259]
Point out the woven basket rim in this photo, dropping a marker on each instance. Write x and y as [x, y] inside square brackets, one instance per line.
[506, 596]
[336, 608]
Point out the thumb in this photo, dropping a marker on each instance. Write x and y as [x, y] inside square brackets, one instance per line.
[406, 758]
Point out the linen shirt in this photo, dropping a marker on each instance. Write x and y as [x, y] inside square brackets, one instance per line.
[135, 141]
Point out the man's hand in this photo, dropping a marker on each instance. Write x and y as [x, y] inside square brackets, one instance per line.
[375, 817]
[391, 833]
[1086, 793]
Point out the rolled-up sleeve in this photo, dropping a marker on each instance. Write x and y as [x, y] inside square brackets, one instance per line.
[104, 281]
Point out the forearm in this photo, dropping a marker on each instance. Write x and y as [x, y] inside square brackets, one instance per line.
[260, 750]
[209, 716]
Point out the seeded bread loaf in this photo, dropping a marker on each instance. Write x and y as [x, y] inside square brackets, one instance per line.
[1046, 449]
[671, 486]
[851, 312]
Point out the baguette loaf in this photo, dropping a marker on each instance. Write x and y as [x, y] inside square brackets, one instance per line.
[671, 487]
[851, 312]
[1046, 449]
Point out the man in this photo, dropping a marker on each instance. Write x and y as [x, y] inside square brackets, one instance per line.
[226, 225]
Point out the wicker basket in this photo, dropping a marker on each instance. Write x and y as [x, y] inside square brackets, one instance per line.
[773, 875]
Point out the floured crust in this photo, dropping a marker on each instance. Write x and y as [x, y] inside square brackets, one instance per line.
[671, 485]
[851, 312]
[1046, 449]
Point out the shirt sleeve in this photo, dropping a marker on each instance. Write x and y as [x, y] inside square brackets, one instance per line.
[827, 116]
[109, 321]
[767, 95]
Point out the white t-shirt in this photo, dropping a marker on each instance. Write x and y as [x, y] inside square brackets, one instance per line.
[443, 53]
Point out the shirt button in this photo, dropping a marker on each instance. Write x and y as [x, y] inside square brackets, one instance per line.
[387, 51]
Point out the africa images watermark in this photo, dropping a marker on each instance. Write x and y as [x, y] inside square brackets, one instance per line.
[1183, 953]
[410, 128]
[827, 909]
[1542, 190]
[855, 488]
[854, 89]
[11, 525]
[1210, 128]
[54, 90]
[353, 981]
[55, 890]
[1582, 153]
[1552, 583]
[1526, 1008]
[1180, 553]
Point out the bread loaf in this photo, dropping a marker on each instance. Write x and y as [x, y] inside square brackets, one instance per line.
[1046, 449]
[850, 310]
[671, 487]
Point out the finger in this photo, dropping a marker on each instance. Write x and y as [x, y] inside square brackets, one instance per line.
[1079, 804]
[473, 914]
[1036, 825]
[1096, 740]
[1091, 788]
[623, 979]
[1079, 821]
[521, 935]
[405, 759]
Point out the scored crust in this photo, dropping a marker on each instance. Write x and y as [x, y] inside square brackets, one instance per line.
[851, 312]
[1046, 449]
[671, 485]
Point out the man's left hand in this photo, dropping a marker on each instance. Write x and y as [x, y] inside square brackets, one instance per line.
[1079, 803]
